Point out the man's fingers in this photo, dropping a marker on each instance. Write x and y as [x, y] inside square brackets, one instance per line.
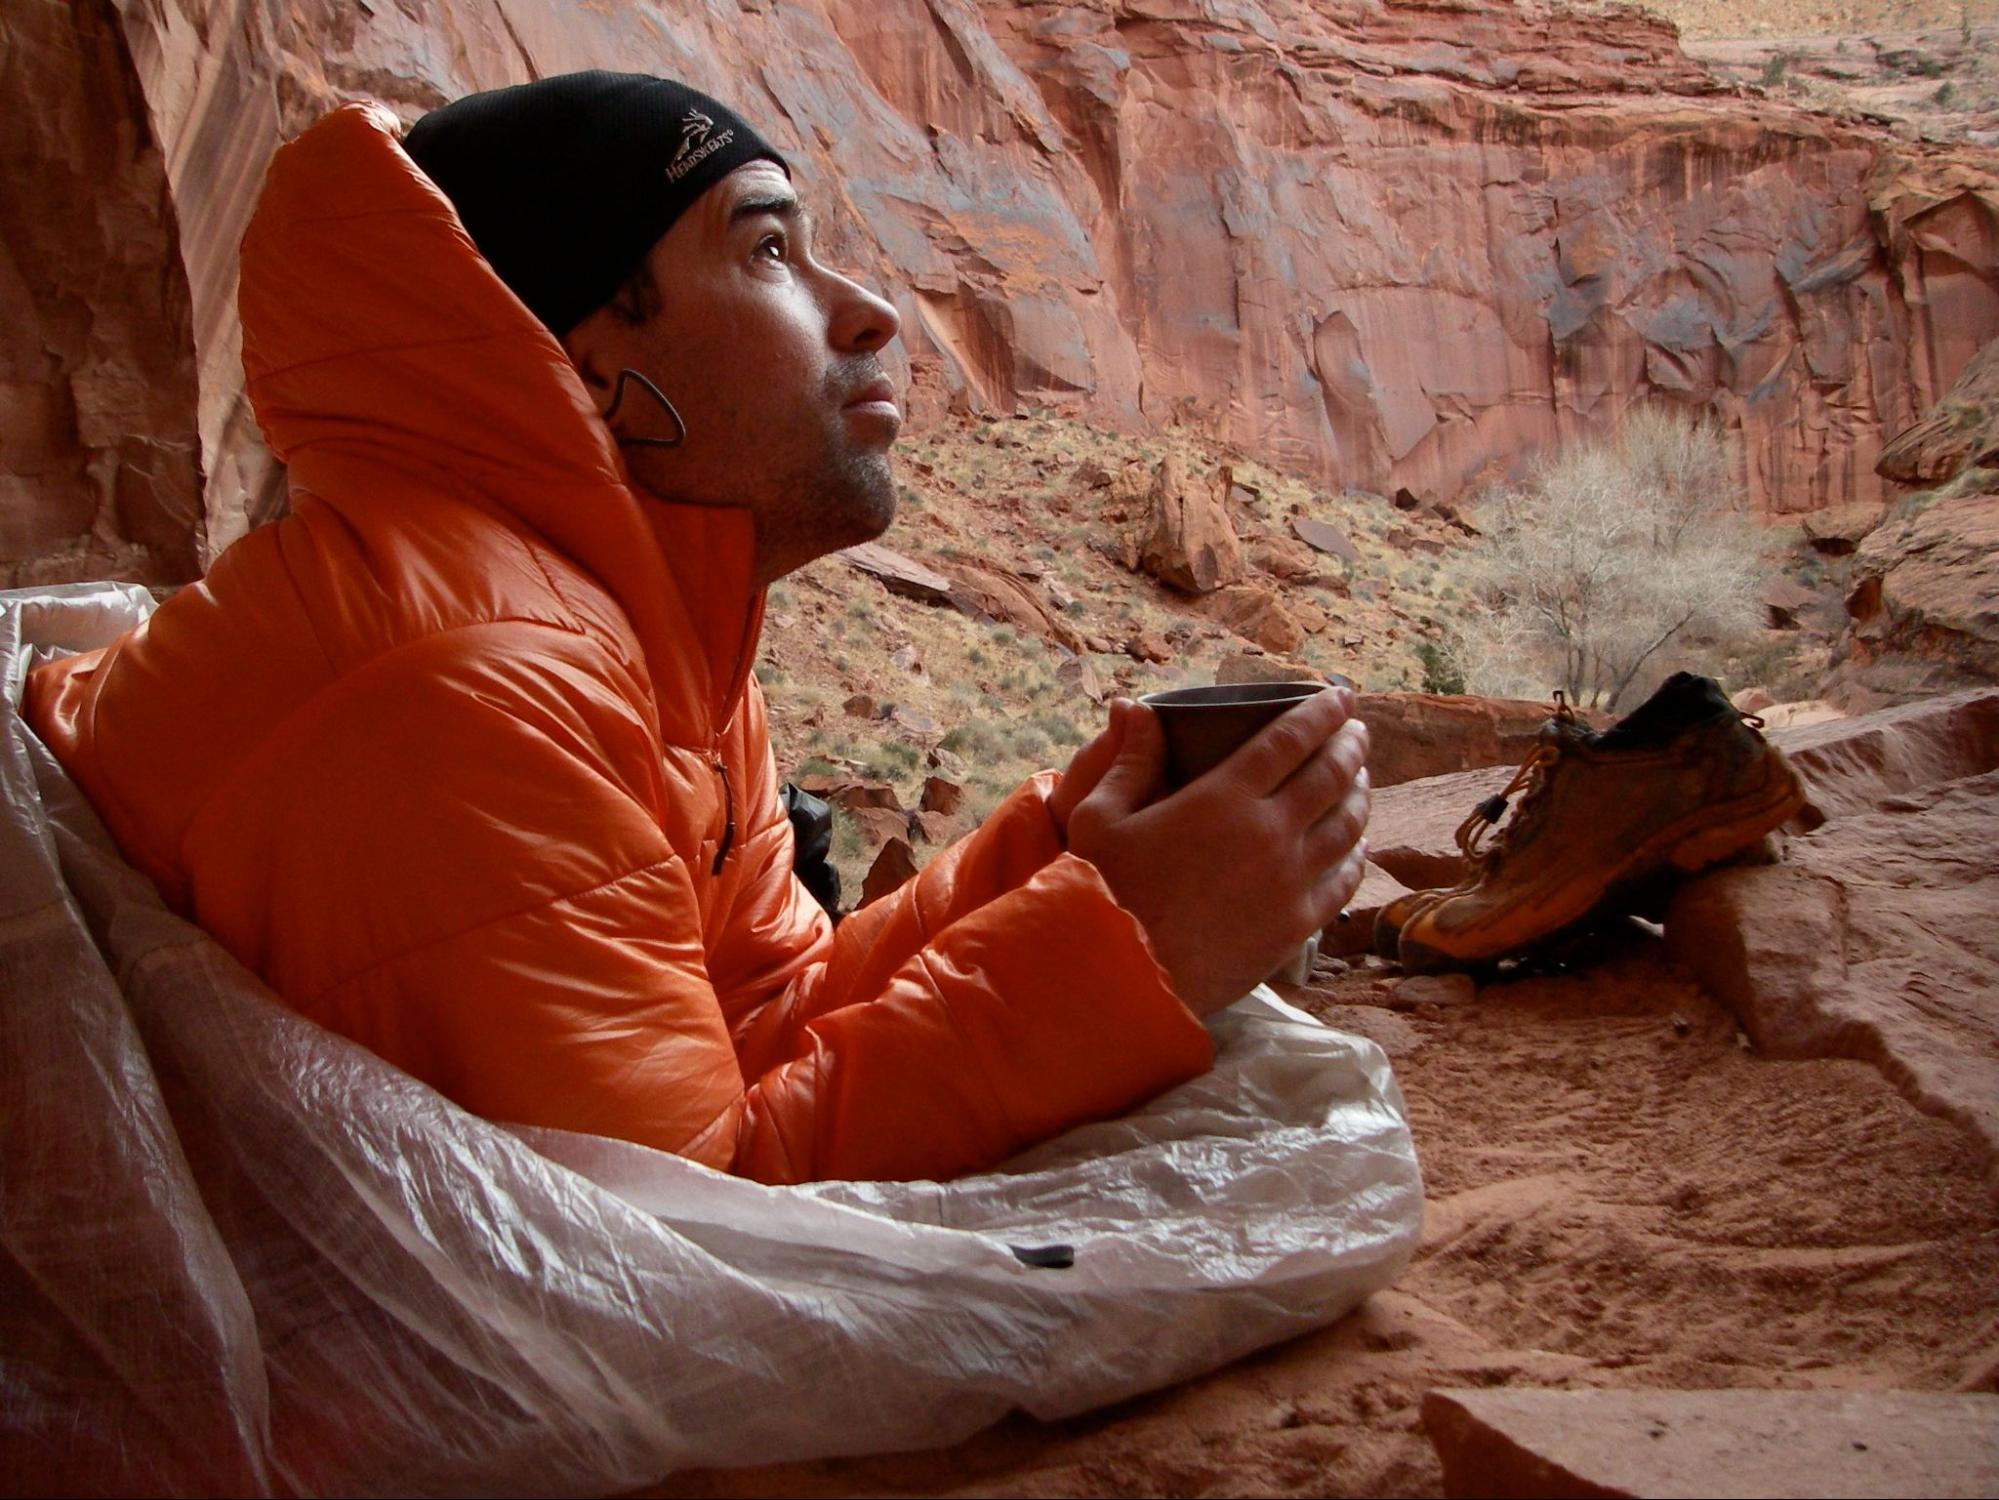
[1275, 752]
[1133, 776]
[1334, 889]
[1323, 780]
[1088, 765]
[1329, 839]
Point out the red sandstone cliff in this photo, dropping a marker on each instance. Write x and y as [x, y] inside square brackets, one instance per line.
[1390, 245]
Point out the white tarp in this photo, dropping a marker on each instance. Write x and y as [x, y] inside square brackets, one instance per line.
[242, 1254]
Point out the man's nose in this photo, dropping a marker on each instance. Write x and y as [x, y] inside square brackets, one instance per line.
[862, 322]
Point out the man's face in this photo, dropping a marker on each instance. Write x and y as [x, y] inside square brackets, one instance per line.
[771, 360]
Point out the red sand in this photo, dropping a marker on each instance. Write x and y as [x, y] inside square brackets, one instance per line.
[1621, 1195]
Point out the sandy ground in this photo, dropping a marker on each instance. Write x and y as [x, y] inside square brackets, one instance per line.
[1621, 1194]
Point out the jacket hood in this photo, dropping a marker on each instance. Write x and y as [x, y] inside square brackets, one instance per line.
[380, 346]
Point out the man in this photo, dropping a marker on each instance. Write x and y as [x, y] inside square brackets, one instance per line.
[464, 756]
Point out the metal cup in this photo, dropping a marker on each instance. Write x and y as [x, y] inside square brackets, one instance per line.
[1203, 726]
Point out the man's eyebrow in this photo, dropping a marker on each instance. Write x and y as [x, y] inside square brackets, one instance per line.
[783, 205]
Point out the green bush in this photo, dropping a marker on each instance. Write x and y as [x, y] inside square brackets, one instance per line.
[975, 739]
[1441, 674]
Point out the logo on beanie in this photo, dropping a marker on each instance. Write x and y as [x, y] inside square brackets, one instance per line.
[695, 144]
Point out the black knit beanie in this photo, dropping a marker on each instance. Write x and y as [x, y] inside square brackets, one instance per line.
[565, 184]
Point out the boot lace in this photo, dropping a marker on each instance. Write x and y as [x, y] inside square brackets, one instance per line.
[1529, 783]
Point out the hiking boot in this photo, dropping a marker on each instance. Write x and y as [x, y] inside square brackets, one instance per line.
[1392, 918]
[1683, 782]
[1560, 730]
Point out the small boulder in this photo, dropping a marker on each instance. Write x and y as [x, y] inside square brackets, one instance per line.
[1783, 600]
[1326, 538]
[999, 596]
[851, 792]
[1188, 542]
[1838, 529]
[898, 574]
[1076, 674]
[941, 796]
[1256, 614]
[1257, 666]
[914, 722]
[931, 828]
[878, 825]
[1289, 561]
[894, 867]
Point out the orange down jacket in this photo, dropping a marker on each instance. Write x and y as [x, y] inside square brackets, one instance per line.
[465, 759]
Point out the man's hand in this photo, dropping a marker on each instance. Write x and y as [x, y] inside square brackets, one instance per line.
[1088, 765]
[1235, 870]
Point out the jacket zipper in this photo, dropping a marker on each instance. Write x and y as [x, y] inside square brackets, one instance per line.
[728, 818]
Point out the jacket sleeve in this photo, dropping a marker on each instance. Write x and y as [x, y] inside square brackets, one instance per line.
[469, 861]
[1037, 1010]
[1004, 942]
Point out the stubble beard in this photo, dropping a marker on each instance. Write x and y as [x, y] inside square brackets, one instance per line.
[857, 492]
[843, 496]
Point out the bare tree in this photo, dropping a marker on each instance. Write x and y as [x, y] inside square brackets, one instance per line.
[1614, 561]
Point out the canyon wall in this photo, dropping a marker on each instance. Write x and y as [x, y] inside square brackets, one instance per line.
[1382, 244]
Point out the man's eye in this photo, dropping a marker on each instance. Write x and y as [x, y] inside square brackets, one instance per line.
[772, 247]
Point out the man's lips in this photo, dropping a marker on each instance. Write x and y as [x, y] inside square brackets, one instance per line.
[874, 393]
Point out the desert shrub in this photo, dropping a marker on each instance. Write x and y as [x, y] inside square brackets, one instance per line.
[975, 739]
[887, 760]
[1620, 560]
[1027, 740]
[1441, 674]
[1060, 729]
[849, 844]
